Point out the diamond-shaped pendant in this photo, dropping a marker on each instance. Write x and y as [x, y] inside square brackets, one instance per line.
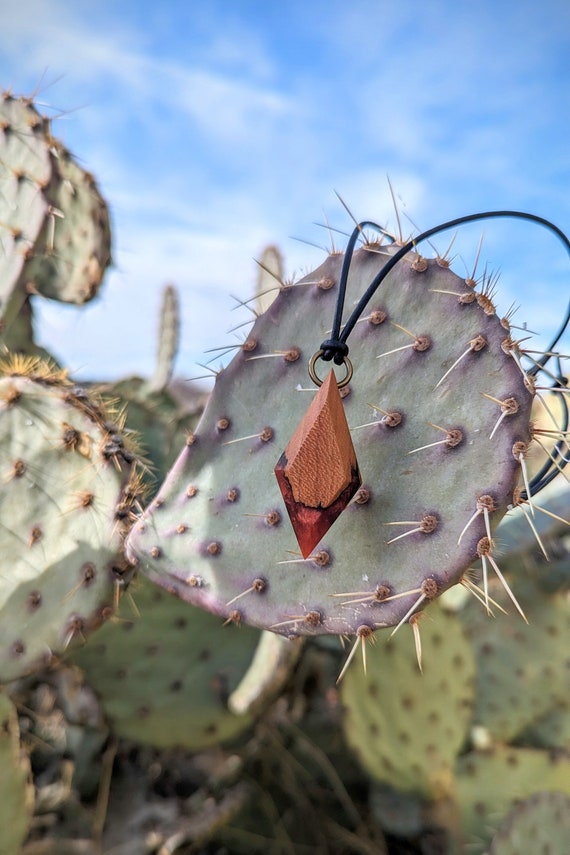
[318, 472]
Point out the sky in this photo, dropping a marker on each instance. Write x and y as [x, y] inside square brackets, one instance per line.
[214, 128]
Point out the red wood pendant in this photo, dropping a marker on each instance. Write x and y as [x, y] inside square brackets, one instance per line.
[318, 472]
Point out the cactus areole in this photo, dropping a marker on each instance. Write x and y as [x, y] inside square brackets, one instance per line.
[435, 420]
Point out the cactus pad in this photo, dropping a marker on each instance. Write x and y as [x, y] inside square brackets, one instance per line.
[16, 788]
[68, 490]
[489, 784]
[436, 405]
[407, 727]
[54, 228]
[540, 823]
[165, 677]
[522, 670]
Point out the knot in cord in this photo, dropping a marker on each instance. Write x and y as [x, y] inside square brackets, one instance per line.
[334, 349]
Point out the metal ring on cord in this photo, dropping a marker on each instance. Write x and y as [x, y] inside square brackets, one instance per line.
[317, 380]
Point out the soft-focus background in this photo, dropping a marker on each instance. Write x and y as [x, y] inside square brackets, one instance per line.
[215, 127]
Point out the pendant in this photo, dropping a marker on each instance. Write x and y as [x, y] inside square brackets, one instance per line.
[318, 472]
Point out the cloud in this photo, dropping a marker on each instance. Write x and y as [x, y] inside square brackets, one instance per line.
[210, 141]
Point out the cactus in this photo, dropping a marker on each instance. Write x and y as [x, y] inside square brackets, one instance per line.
[489, 784]
[439, 413]
[407, 728]
[167, 340]
[69, 490]
[161, 414]
[540, 823]
[164, 678]
[521, 671]
[16, 789]
[55, 225]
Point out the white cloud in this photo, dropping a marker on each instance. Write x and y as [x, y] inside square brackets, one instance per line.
[209, 152]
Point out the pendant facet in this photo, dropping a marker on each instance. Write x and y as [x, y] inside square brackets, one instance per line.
[318, 472]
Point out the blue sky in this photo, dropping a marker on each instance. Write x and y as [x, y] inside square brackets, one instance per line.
[216, 127]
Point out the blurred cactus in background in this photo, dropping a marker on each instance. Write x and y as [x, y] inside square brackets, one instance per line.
[173, 673]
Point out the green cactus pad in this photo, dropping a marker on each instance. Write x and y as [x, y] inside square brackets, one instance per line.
[489, 784]
[67, 495]
[539, 824]
[25, 171]
[165, 677]
[16, 788]
[407, 727]
[54, 225]
[435, 406]
[522, 670]
[74, 248]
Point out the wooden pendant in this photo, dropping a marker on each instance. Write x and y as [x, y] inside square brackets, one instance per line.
[318, 472]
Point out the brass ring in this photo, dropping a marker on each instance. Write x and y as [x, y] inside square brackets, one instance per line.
[340, 383]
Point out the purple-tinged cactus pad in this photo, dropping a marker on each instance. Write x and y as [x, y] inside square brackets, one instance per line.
[435, 406]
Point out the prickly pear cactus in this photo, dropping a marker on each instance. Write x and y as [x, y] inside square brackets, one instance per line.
[406, 727]
[161, 417]
[54, 224]
[69, 487]
[489, 784]
[439, 413]
[16, 788]
[522, 670]
[165, 677]
[540, 823]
